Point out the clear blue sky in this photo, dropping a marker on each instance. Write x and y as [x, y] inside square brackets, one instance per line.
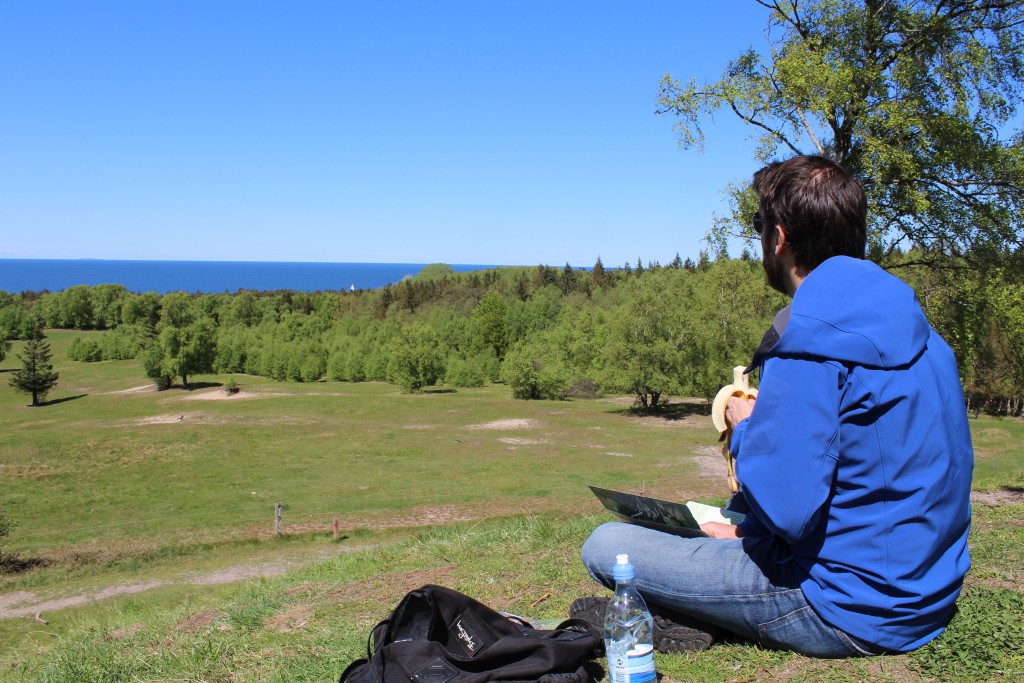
[479, 131]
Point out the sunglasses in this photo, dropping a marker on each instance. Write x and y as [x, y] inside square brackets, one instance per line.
[759, 223]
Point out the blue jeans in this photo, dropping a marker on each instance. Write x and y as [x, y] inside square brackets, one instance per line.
[724, 583]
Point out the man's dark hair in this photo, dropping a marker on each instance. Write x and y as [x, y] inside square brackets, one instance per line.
[822, 209]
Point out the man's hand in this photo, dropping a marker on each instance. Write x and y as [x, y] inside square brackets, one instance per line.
[738, 409]
[719, 530]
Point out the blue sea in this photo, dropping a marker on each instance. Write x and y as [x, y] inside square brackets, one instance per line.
[208, 277]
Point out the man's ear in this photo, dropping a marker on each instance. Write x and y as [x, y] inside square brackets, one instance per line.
[780, 239]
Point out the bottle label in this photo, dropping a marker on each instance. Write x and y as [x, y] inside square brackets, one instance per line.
[635, 666]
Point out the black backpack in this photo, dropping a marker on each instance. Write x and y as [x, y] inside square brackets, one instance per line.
[438, 635]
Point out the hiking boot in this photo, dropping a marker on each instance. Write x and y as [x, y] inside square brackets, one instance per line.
[670, 633]
[671, 636]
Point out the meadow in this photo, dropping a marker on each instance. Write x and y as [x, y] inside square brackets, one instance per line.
[144, 545]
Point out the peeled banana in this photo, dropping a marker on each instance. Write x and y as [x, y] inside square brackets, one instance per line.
[740, 387]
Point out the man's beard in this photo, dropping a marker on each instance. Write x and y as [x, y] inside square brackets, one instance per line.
[774, 272]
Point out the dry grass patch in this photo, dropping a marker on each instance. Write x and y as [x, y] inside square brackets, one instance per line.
[194, 623]
[292, 619]
[126, 632]
[999, 497]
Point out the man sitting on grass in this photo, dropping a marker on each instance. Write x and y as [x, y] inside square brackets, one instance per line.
[855, 460]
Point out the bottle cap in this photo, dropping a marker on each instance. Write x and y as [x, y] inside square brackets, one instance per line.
[623, 570]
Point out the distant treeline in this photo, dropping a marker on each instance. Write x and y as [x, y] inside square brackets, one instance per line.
[546, 332]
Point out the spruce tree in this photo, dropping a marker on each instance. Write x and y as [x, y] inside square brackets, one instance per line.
[597, 274]
[36, 375]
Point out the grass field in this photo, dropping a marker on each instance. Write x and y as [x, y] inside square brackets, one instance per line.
[159, 499]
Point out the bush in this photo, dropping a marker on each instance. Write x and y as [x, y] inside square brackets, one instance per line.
[534, 376]
[85, 350]
[465, 372]
[123, 343]
[415, 359]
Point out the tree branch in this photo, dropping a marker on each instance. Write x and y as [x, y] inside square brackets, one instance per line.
[774, 133]
[807, 127]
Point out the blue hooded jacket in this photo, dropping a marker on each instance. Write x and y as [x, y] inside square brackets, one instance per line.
[858, 457]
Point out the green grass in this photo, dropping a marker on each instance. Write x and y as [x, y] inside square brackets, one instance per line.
[307, 625]
[104, 494]
[95, 466]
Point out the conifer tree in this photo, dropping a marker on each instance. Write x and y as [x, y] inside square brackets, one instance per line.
[567, 281]
[597, 275]
[522, 286]
[36, 375]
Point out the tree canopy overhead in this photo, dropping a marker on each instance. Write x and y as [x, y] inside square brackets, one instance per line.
[917, 98]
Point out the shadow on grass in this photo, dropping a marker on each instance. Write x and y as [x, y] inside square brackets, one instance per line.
[439, 391]
[62, 400]
[192, 386]
[670, 412]
[14, 564]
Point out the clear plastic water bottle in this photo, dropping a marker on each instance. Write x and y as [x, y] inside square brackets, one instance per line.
[628, 630]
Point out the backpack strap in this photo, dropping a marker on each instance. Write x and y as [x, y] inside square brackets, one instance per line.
[359, 670]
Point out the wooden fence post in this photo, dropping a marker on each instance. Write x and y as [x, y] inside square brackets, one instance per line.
[277, 519]
[337, 528]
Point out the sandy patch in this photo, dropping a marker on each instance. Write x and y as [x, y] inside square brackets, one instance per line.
[13, 610]
[522, 442]
[620, 455]
[240, 573]
[710, 461]
[171, 418]
[135, 390]
[506, 424]
[26, 604]
[221, 395]
[417, 428]
[711, 467]
[12, 600]
[713, 451]
[998, 498]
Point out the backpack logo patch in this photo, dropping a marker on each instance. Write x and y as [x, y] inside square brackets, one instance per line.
[465, 637]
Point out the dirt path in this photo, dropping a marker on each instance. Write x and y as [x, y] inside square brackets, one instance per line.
[28, 604]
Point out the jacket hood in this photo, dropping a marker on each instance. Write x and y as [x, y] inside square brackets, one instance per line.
[850, 310]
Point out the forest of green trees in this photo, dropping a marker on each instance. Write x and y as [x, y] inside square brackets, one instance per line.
[547, 333]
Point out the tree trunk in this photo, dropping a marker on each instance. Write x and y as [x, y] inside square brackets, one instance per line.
[184, 381]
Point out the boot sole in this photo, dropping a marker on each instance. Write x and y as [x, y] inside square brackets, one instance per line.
[669, 637]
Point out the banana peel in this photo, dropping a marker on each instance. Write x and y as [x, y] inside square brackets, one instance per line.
[741, 388]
